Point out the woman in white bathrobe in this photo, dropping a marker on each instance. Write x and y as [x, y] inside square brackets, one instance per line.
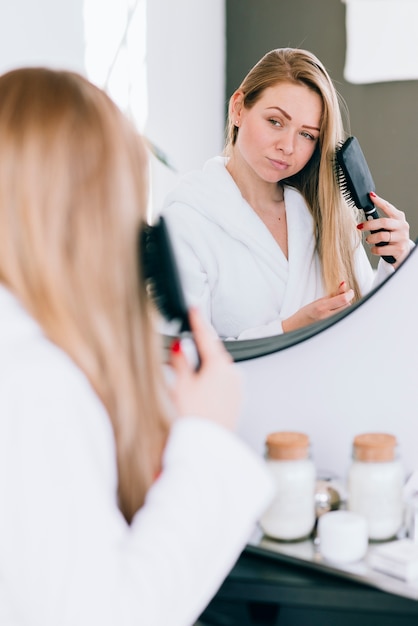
[124, 500]
[265, 241]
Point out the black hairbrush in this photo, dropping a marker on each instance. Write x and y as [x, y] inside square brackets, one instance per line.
[162, 281]
[161, 274]
[356, 182]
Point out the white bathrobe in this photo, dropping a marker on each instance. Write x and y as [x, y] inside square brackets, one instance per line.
[67, 555]
[230, 264]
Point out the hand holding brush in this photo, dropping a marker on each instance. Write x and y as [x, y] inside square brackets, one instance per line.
[357, 186]
[394, 230]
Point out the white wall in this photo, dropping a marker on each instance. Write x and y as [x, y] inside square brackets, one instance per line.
[185, 60]
[186, 82]
[41, 32]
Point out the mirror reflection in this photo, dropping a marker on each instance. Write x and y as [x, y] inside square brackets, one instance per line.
[266, 238]
[276, 276]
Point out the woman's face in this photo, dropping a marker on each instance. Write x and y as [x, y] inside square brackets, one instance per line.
[278, 135]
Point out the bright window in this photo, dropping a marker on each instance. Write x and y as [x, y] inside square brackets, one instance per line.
[115, 53]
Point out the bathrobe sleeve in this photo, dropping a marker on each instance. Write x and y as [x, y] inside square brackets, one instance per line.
[367, 277]
[67, 554]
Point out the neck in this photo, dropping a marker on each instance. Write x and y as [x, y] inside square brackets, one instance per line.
[254, 190]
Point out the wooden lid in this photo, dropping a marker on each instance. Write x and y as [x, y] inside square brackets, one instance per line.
[370, 447]
[286, 446]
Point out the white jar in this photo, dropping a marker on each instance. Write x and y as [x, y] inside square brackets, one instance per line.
[375, 482]
[291, 514]
[342, 536]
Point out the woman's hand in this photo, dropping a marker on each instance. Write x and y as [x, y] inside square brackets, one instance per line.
[320, 309]
[395, 233]
[214, 391]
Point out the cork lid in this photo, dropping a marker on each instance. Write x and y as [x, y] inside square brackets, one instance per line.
[287, 446]
[374, 447]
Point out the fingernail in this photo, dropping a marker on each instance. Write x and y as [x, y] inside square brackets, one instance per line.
[176, 346]
[372, 194]
[341, 284]
[360, 226]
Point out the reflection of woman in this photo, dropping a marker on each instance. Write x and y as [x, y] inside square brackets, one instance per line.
[265, 240]
[110, 513]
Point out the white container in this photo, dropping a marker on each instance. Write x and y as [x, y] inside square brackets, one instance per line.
[342, 536]
[375, 482]
[291, 515]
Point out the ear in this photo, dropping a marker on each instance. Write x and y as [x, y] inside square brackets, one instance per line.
[236, 105]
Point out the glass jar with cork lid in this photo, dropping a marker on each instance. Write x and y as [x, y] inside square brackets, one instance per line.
[291, 515]
[375, 483]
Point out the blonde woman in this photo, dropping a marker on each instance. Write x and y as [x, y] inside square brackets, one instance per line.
[123, 501]
[265, 240]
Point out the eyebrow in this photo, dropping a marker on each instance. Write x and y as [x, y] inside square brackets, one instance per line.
[287, 116]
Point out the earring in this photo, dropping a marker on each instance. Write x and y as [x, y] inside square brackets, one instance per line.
[236, 122]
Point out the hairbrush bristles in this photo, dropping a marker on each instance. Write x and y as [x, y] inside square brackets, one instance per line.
[356, 182]
[353, 174]
[341, 179]
[160, 273]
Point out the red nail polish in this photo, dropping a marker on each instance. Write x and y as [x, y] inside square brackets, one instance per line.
[360, 226]
[372, 194]
[176, 346]
[341, 283]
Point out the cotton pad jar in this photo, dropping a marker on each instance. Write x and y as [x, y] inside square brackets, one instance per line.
[291, 515]
[375, 483]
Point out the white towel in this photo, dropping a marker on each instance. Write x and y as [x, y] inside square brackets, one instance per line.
[382, 42]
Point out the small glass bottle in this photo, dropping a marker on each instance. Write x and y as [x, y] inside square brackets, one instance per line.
[291, 514]
[375, 482]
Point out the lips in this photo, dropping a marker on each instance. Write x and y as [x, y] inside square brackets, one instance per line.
[279, 165]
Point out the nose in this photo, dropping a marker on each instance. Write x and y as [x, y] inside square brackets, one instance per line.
[286, 143]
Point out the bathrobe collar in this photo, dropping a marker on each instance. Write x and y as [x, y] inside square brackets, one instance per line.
[213, 193]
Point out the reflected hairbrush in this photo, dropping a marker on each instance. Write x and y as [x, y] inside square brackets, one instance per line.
[356, 182]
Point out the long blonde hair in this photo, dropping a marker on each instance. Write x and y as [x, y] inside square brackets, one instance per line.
[73, 188]
[334, 220]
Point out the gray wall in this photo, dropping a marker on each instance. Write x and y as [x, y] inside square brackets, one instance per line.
[383, 116]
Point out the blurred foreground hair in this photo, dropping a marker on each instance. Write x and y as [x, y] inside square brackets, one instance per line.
[73, 194]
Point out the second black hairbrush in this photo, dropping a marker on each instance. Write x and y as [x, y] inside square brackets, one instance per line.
[356, 182]
[162, 281]
[161, 274]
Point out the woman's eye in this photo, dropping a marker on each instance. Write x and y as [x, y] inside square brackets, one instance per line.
[308, 136]
[275, 122]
